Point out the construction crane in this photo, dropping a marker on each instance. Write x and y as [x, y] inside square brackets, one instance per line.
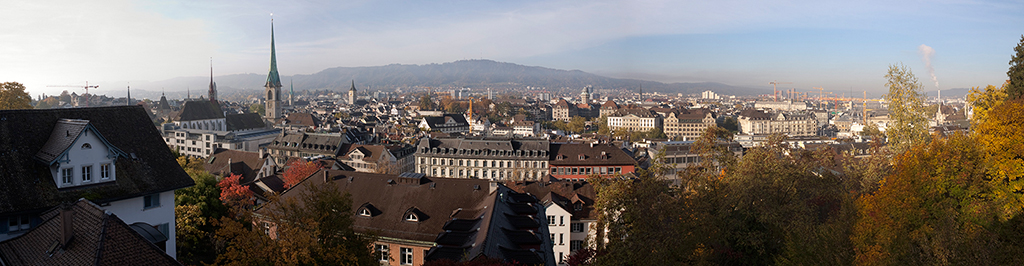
[87, 86]
[775, 89]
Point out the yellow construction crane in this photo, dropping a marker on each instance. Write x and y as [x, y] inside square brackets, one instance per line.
[775, 89]
[87, 86]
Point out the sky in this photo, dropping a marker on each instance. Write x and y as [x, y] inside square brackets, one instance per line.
[837, 45]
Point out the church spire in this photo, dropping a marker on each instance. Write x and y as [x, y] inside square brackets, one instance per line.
[213, 85]
[273, 79]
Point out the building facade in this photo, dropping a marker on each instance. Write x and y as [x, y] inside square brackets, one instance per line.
[483, 158]
[688, 124]
[580, 161]
[793, 124]
[635, 120]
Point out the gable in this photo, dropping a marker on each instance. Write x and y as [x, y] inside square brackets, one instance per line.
[70, 134]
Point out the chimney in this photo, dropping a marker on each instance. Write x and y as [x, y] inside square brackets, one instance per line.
[67, 216]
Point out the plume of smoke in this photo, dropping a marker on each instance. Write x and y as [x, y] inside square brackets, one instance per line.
[926, 56]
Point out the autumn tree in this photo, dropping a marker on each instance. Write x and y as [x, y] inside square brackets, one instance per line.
[298, 170]
[13, 96]
[1002, 136]
[984, 101]
[577, 124]
[935, 209]
[426, 103]
[195, 210]
[312, 228]
[235, 195]
[1015, 87]
[909, 127]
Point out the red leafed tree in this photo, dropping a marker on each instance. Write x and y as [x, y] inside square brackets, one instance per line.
[233, 193]
[298, 170]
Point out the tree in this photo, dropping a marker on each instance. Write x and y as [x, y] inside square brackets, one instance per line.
[311, 228]
[909, 127]
[299, 170]
[258, 108]
[576, 124]
[935, 209]
[1015, 88]
[13, 96]
[984, 101]
[235, 195]
[1003, 139]
[65, 97]
[426, 103]
[602, 126]
[196, 208]
[730, 123]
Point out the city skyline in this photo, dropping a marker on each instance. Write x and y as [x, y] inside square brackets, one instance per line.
[836, 45]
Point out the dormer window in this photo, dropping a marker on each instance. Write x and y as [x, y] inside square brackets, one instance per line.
[582, 157]
[411, 217]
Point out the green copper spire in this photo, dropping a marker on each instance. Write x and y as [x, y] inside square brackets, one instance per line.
[273, 79]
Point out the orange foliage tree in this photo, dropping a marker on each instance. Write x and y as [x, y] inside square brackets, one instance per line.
[299, 170]
[934, 209]
[1003, 138]
[233, 193]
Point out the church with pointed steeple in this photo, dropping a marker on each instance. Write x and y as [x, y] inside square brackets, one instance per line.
[213, 85]
[352, 93]
[273, 86]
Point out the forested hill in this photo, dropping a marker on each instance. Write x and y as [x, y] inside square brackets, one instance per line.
[464, 73]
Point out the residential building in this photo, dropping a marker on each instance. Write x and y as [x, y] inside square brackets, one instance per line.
[569, 207]
[111, 155]
[302, 144]
[390, 159]
[781, 106]
[793, 124]
[82, 233]
[608, 108]
[483, 158]
[525, 129]
[449, 123]
[688, 124]
[564, 111]
[635, 120]
[417, 218]
[580, 161]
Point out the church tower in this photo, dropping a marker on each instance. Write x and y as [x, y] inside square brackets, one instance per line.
[213, 85]
[352, 93]
[273, 86]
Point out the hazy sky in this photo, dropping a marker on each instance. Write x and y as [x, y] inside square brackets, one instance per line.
[839, 45]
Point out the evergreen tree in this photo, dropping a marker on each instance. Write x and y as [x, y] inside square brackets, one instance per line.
[1016, 73]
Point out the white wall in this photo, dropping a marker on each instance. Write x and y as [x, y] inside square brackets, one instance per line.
[131, 211]
[78, 157]
[560, 230]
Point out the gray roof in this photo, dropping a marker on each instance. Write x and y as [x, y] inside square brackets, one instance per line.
[244, 121]
[64, 134]
[199, 110]
[28, 185]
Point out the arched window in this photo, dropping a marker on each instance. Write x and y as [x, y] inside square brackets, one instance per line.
[270, 95]
[86, 146]
[364, 212]
[411, 217]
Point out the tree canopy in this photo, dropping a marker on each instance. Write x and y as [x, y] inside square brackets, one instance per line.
[13, 96]
[1015, 88]
[909, 125]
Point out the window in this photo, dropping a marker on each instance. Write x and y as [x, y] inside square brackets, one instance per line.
[561, 237]
[383, 249]
[411, 217]
[87, 173]
[576, 227]
[86, 146]
[552, 239]
[561, 220]
[406, 256]
[18, 223]
[151, 201]
[364, 212]
[551, 221]
[575, 245]
[66, 175]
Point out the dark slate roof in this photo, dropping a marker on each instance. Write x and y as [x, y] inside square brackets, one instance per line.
[438, 198]
[244, 163]
[64, 134]
[439, 121]
[591, 155]
[302, 119]
[99, 239]
[755, 114]
[199, 110]
[244, 121]
[28, 185]
[316, 143]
